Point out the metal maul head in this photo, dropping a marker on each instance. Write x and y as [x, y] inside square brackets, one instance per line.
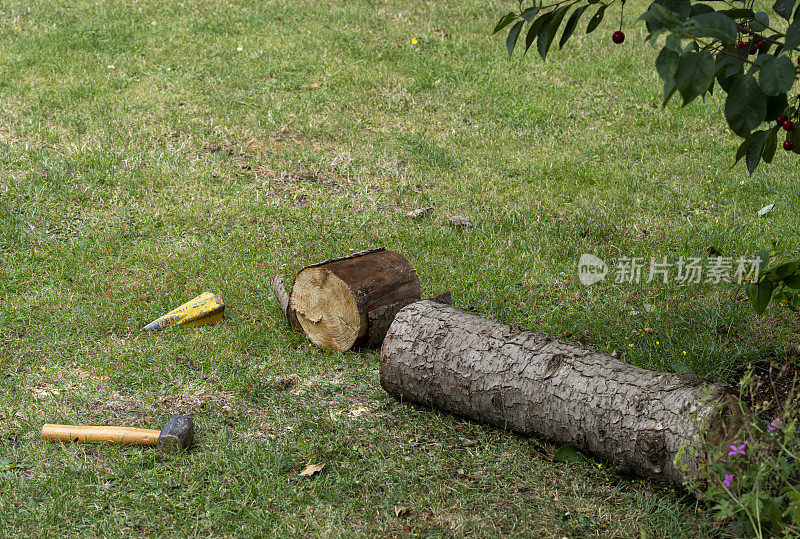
[177, 435]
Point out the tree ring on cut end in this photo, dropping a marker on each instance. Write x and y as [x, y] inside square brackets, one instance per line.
[326, 309]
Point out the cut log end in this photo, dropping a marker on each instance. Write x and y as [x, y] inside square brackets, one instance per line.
[327, 310]
[335, 302]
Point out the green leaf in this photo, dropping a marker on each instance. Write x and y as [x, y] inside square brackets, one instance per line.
[596, 19]
[729, 65]
[572, 22]
[745, 106]
[552, 28]
[738, 13]
[666, 64]
[694, 74]
[781, 271]
[776, 105]
[792, 281]
[760, 294]
[530, 13]
[533, 31]
[745, 145]
[511, 40]
[763, 255]
[760, 22]
[541, 39]
[505, 21]
[714, 25]
[698, 9]
[673, 43]
[784, 8]
[776, 75]
[770, 144]
[681, 8]
[568, 453]
[659, 18]
[755, 150]
[792, 39]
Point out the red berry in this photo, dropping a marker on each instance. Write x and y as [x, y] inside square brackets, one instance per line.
[788, 145]
[618, 37]
[788, 125]
[754, 49]
[780, 120]
[741, 44]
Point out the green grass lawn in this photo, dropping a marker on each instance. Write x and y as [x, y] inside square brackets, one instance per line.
[150, 151]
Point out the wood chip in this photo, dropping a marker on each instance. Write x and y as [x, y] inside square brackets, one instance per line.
[459, 221]
[312, 469]
[401, 510]
[418, 213]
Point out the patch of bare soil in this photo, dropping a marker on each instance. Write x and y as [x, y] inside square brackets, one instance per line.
[123, 409]
[187, 403]
[286, 384]
[213, 147]
[775, 382]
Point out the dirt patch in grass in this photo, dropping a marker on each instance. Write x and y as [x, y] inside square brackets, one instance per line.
[305, 176]
[125, 409]
[287, 384]
[774, 384]
[213, 147]
[185, 403]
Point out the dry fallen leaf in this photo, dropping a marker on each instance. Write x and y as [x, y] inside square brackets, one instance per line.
[416, 214]
[314, 85]
[457, 220]
[312, 469]
[401, 510]
[357, 412]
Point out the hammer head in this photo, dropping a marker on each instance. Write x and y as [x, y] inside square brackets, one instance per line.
[176, 435]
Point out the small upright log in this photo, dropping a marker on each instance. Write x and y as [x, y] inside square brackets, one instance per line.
[535, 384]
[351, 301]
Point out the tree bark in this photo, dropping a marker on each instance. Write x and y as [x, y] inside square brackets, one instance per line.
[538, 385]
[349, 302]
[282, 296]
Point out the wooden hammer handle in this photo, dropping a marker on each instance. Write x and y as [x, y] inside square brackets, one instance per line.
[113, 435]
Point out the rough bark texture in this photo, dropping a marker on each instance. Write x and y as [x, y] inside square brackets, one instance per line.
[347, 302]
[538, 385]
[282, 297]
[381, 319]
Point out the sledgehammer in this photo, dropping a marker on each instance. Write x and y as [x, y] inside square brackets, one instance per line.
[176, 435]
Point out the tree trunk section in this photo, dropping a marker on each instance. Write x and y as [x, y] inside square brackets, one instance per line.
[282, 298]
[537, 385]
[348, 302]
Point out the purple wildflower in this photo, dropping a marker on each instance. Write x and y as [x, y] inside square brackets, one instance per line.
[728, 480]
[736, 450]
[774, 424]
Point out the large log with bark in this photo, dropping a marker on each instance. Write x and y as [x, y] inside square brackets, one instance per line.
[538, 385]
[351, 301]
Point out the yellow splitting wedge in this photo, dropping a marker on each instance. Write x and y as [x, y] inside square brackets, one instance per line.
[207, 308]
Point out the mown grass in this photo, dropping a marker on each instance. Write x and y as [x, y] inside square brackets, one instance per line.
[151, 151]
